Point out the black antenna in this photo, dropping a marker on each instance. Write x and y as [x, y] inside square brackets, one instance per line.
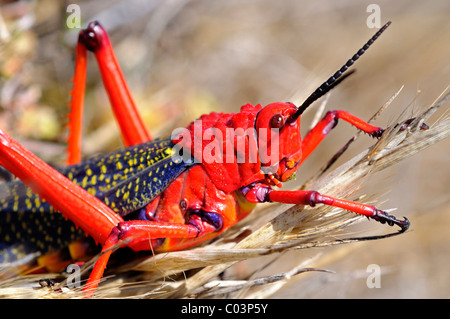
[333, 80]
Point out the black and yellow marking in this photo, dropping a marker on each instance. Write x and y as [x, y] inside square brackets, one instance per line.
[125, 180]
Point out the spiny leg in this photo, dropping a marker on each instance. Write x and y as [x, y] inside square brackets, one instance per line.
[140, 232]
[75, 203]
[315, 136]
[312, 198]
[95, 39]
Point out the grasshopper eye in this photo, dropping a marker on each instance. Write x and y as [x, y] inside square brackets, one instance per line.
[277, 121]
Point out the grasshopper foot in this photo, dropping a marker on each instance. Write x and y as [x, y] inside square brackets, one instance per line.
[384, 218]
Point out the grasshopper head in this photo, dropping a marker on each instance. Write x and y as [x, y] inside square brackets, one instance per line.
[279, 141]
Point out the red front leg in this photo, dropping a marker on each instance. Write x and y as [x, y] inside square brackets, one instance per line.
[94, 38]
[327, 123]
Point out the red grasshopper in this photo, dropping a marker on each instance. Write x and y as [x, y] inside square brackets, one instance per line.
[147, 199]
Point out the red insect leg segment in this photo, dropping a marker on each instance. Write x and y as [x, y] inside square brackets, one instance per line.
[312, 198]
[327, 123]
[136, 229]
[94, 38]
[76, 104]
[97, 271]
[139, 232]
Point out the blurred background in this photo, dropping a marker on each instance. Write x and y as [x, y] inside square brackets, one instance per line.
[185, 58]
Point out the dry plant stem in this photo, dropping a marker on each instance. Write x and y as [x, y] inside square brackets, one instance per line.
[215, 288]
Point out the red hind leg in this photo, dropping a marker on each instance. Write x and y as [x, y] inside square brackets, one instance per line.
[94, 38]
[76, 103]
[75, 203]
[137, 231]
[85, 210]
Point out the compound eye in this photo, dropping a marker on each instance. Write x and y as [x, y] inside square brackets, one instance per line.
[277, 121]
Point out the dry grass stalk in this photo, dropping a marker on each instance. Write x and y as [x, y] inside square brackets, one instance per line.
[171, 275]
